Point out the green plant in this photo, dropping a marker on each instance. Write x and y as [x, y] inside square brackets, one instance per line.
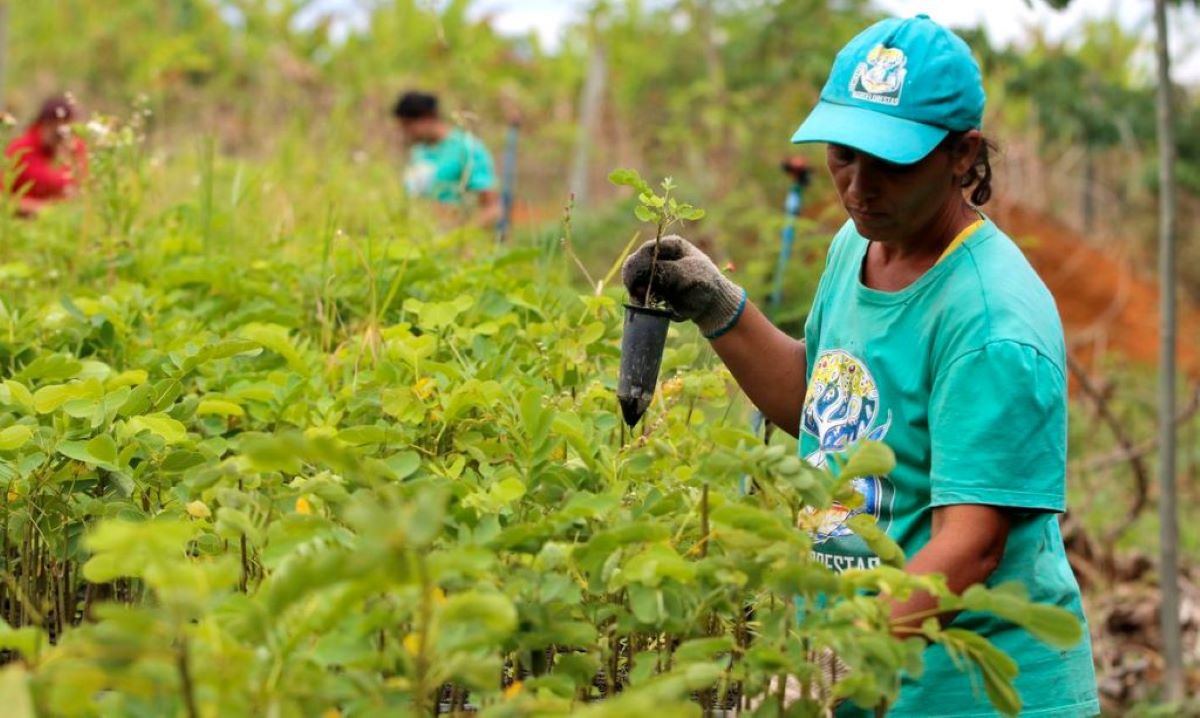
[662, 211]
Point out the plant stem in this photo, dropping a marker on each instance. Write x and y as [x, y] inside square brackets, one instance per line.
[654, 261]
[425, 616]
[185, 679]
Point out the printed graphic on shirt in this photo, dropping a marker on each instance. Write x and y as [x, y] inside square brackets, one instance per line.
[881, 77]
[842, 407]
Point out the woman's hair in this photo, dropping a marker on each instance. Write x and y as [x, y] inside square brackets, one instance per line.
[979, 176]
[56, 108]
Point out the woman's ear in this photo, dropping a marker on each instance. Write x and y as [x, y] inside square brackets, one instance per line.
[965, 152]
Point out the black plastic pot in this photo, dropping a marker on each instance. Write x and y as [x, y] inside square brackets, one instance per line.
[642, 343]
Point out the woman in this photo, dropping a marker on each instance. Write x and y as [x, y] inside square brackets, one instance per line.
[47, 161]
[930, 332]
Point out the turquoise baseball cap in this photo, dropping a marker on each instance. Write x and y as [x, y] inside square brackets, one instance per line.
[896, 90]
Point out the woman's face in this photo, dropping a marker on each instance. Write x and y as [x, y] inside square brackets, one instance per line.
[54, 133]
[892, 203]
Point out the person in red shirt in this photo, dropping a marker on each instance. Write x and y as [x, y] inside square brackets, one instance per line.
[46, 162]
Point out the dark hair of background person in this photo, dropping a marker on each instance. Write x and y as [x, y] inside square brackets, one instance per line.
[56, 108]
[414, 105]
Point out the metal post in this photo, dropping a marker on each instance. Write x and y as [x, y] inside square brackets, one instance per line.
[792, 206]
[510, 181]
[1167, 512]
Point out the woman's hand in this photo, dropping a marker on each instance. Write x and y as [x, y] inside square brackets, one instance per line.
[688, 281]
[769, 365]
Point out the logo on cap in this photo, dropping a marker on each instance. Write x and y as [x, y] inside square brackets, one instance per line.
[881, 78]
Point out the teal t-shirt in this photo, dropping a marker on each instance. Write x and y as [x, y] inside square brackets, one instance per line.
[445, 171]
[962, 374]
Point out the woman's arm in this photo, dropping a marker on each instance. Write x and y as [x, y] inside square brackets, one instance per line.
[770, 366]
[488, 211]
[966, 547]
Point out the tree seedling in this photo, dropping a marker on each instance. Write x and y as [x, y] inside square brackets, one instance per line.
[645, 334]
[660, 210]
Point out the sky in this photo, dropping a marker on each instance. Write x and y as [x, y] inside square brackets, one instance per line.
[1006, 21]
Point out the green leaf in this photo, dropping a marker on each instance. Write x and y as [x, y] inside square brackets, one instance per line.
[535, 418]
[218, 407]
[50, 398]
[803, 579]
[870, 458]
[138, 401]
[733, 519]
[645, 214]
[403, 464]
[52, 367]
[79, 451]
[646, 604]
[181, 460]
[128, 548]
[14, 437]
[998, 669]
[629, 178]
[103, 448]
[435, 315]
[656, 563]
[508, 490]
[580, 668]
[703, 649]
[14, 691]
[652, 200]
[275, 338]
[367, 434]
[220, 350]
[19, 394]
[475, 621]
[234, 523]
[170, 430]
[888, 551]
[27, 640]
[1053, 625]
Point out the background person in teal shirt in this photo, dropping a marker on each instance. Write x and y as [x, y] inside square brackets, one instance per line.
[446, 164]
[930, 332]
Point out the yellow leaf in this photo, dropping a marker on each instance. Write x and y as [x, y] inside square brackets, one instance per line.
[51, 397]
[424, 388]
[131, 377]
[412, 643]
[302, 506]
[198, 510]
[218, 407]
[14, 437]
[14, 692]
[513, 689]
[171, 430]
[19, 394]
[331, 713]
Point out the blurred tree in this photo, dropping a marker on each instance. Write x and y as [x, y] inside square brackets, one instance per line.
[1086, 96]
